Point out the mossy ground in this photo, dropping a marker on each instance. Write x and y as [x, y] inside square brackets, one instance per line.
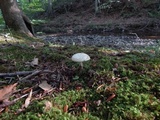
[123, 86]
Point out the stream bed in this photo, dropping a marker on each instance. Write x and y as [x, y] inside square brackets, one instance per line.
[123, 42]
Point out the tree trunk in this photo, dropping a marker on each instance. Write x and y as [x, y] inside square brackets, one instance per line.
[14, 18]
[49, 9]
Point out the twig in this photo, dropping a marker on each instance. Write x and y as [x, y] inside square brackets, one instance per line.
[35, 73]
[15, 73]
[12, 102]
[3, 82]
[135, 35]
[30, 75]
[21, 73]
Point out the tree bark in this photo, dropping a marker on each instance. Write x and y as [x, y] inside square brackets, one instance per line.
[14, 17]
[49, 8]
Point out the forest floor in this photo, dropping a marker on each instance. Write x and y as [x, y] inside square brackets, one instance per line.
[42, 82]
[103, 30]
[86, 22]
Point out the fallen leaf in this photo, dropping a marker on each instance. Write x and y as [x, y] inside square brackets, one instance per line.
[99, 88]
[65, 108]
[28, 100]
[20, 110]
[111, 97]
[84, 109]
[7, 91]
[34, 62]
[78, 88]
[98, 102]
[110, 89]
[48, 106]
[60, 86]
[26, 90]
[2, 109]
[45, 86]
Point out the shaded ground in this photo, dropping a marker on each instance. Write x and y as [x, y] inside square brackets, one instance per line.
[117, 29]
[84, 22]
[112, 31]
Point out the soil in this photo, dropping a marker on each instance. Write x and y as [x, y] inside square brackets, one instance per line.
[86, 22]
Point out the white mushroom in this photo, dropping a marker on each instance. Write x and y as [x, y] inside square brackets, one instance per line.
[80, 57]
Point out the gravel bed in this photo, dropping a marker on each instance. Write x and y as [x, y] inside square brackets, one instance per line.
[115, 42]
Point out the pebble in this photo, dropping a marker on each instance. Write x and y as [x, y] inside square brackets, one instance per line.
[115, 42]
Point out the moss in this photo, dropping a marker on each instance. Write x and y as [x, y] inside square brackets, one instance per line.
[136, 83]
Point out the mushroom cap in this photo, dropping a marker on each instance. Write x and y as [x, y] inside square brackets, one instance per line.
[80, 57]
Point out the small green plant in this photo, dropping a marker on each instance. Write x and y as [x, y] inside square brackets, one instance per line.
[32, 7]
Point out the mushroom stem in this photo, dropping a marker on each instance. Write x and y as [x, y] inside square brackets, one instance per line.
[81, 63]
